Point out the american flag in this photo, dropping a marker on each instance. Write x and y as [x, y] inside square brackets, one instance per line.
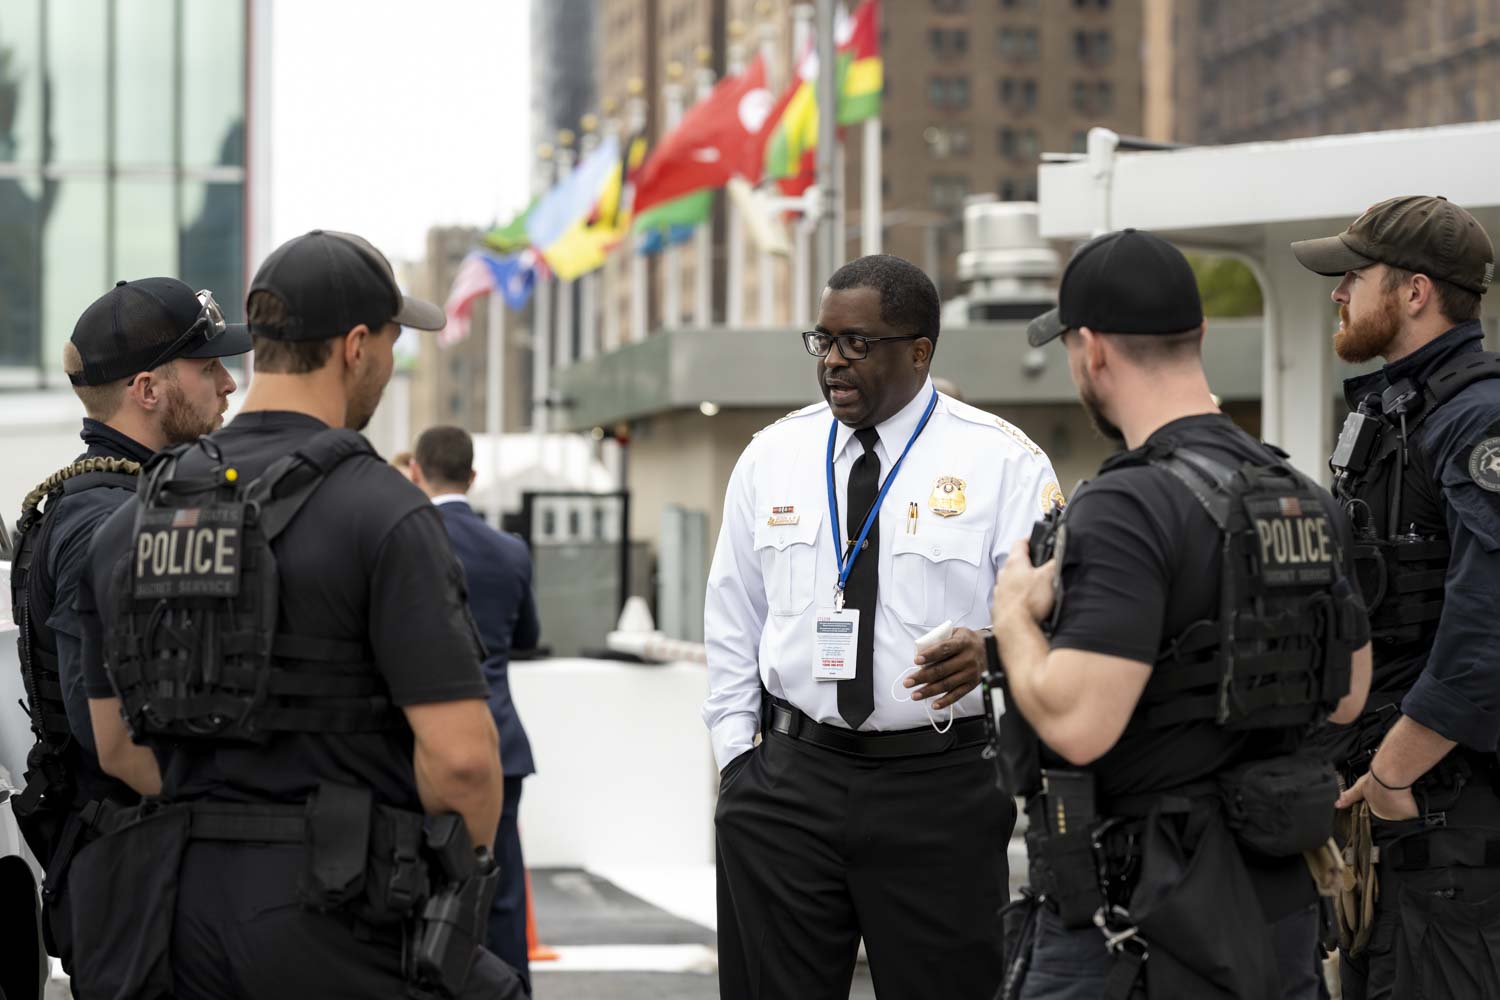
[475, 278]
[479, 275]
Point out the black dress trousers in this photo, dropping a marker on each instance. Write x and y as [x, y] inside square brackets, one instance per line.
[817, 848]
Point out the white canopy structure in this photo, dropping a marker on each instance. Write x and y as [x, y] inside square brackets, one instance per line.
[1252, 200]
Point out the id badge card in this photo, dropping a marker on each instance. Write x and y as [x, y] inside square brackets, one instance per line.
[836, 644]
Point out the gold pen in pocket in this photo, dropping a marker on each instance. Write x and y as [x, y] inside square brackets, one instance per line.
[911, 519]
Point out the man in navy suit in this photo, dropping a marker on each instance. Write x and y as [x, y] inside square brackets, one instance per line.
[497, 568]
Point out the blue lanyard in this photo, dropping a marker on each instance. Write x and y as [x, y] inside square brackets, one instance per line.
[846, 560]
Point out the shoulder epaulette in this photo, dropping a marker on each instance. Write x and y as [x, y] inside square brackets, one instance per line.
[984, 418]
[804, 411]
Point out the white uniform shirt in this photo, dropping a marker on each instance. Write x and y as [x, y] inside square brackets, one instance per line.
[774, 566]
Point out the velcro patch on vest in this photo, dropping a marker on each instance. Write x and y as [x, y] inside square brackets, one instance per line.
[189, 552]
[1295, 540]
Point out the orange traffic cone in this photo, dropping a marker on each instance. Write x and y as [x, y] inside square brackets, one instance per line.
[535, 950]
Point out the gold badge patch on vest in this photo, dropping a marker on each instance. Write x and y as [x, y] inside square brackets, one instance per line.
[947, 499]
[783, 515]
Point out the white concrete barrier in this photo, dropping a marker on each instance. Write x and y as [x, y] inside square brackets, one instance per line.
[625, 774]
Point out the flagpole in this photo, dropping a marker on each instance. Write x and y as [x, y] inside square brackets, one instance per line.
[541, 318]
[830, 190]
[703, 236]
[734, 238]
[672, 98]
[807, 220]
[588, 285]
[609, 315]
[765, 263]
[807, 224]
[494, 409]
[563, 345]
[870, 189]
[635, 118]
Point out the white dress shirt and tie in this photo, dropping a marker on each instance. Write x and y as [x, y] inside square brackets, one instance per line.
[855, 816]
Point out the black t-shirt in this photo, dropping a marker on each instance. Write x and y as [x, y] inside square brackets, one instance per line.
[1142, 562]
[367, 560]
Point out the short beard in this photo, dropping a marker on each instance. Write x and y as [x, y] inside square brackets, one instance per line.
[1370, 337]
[363, 400]
[1095, 409]
[180, 423]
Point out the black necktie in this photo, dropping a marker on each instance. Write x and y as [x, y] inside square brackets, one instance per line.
[857, 696]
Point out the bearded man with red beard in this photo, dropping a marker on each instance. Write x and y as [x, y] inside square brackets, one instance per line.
[1417, 468]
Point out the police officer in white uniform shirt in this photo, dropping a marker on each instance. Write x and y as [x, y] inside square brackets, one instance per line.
[866, 810]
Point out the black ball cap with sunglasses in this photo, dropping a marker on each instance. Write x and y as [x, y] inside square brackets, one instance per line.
[137, 326]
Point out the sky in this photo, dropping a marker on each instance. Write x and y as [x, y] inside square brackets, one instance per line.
[391, 116]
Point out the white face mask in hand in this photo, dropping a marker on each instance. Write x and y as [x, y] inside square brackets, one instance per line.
[932, 638]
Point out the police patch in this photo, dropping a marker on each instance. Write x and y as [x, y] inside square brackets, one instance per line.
[1484, 464]
[189, 552]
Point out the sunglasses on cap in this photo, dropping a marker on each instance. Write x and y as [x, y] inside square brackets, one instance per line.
[209, 324]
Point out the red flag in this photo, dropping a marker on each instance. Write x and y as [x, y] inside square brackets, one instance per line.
[717, 139]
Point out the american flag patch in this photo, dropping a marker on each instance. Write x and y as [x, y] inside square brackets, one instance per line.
[186, 518]
[1290, 506]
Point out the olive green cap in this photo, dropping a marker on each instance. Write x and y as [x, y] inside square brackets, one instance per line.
[1420, 233]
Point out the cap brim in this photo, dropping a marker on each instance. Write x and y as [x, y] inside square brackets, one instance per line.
[1046, 327]
[1329, 256]
[234, 340]
[421, 315]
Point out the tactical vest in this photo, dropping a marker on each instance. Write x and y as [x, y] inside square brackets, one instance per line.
[1387, 488]
[51, 778]
[1276, 654]
[194, 650]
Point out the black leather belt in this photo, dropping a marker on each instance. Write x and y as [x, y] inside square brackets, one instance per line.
[790, 721]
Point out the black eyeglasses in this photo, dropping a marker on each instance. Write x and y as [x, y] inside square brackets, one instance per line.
[210, 324]
[852, 346]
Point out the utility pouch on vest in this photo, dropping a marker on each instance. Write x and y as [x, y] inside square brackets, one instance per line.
[1060, 839]
[338, 840]
[396, 881]
[124, 895]
[1280, 806]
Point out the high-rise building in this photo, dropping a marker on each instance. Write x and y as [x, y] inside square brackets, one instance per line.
[123, 153]
[968, 107]
[1282, 69]
[563, 65]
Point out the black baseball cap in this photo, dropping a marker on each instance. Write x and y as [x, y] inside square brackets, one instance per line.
[1421, 233]
[332, 282]
[1126, 282]
[140, 325]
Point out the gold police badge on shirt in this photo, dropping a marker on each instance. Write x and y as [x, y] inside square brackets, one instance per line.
[947, 499]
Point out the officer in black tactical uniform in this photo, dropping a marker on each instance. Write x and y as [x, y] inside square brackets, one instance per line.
[279, 625]
[1418, 469]
[144, 360]
[1202, 616]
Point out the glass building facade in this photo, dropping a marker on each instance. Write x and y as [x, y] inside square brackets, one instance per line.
[122, 155]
